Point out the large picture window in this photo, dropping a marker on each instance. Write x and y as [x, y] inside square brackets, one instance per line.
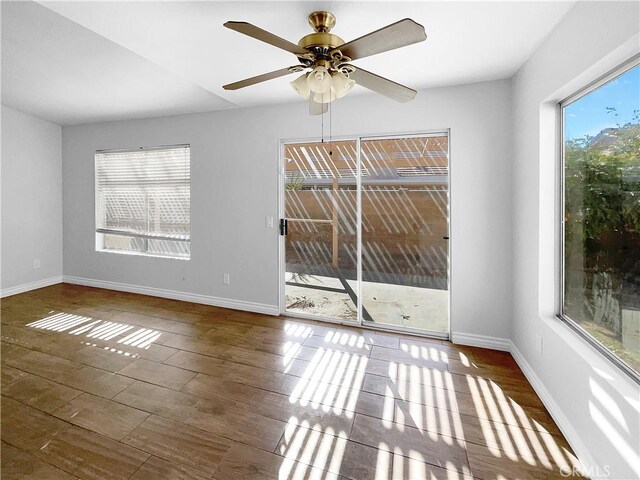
[601, 203]
[143, 201]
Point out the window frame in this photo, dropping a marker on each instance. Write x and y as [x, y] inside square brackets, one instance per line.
[590, 339]
[100, 232]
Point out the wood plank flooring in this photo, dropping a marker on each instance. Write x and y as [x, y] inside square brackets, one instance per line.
[98, 384]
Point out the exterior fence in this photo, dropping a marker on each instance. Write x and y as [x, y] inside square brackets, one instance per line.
[403, 230]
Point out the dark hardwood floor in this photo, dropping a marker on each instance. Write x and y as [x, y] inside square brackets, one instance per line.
[98, 384]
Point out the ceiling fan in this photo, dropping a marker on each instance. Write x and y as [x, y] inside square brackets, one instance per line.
[324, 58]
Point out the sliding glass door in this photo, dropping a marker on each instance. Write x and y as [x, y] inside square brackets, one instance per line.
[321, 221]
[405, 229]
[367, 228]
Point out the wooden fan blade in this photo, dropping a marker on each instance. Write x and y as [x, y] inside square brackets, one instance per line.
[317, 108]
[259, 78]
[267, 37]
[383, 86]
[399, 34]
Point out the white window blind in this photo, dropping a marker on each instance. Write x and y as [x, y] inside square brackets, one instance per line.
[143, 201]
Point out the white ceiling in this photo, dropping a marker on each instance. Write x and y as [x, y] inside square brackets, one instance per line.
[78, 62]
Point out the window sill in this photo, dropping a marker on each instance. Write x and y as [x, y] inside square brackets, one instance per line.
[576, 330]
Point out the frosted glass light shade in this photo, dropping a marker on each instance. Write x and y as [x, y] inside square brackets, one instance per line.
[301, 86]
[341, 84]
[319, 80]
[326, 97]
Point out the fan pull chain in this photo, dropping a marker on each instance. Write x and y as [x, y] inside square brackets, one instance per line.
[322, 128]
[330, 131]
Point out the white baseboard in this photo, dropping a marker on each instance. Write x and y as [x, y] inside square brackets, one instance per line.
[482, 341]
[175, 295]
[578, 446]
[26, 287]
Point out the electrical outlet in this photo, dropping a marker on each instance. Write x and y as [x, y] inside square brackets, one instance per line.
[539, 344]
[226, 278]
[36, 263]
[268, 222]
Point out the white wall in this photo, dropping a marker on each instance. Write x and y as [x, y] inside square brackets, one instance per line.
[31, 202]
[235, 185]
[596, 405]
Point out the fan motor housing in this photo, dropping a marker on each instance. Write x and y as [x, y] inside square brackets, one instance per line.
[321, 40]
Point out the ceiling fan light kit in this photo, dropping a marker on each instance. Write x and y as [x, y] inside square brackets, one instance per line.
[325, 57]
[325, 86]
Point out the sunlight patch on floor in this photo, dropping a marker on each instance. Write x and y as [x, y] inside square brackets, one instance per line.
[102, 330]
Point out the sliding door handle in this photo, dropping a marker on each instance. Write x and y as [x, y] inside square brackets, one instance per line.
[284, 227]
[445, 238]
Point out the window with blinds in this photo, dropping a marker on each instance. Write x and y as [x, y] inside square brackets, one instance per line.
[143, 201]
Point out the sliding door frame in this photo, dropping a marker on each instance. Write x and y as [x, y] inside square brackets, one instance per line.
[359, 322]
